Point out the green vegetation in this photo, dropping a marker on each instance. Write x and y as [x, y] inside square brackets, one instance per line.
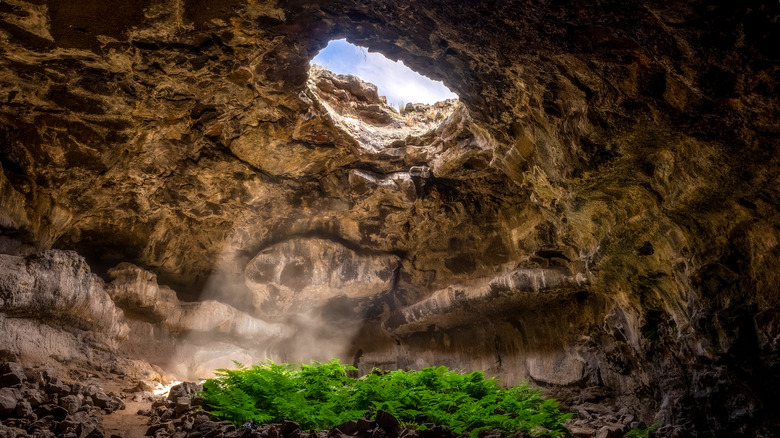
[641, 432]
[321, 396]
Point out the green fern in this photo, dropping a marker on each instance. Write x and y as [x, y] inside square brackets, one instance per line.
[321, 396]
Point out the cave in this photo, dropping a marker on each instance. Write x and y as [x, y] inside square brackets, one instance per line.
[596, 214]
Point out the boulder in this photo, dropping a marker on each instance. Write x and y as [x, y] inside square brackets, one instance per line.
[8, 401]
[59, 388]
[33, 396]
[24, 410]
[11, 375]
[57, 413]
[388, 422]
[71, 403]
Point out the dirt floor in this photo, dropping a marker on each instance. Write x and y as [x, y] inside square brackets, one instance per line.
[127, 423]
[124, 422]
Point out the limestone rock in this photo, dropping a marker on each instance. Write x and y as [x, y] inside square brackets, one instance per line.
[215, 317]
[136, 291]
[58, 287]
[303, 273]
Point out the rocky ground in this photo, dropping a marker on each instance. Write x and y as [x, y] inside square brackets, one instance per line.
[34, 402]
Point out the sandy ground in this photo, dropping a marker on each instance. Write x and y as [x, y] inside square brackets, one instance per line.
[127, 423]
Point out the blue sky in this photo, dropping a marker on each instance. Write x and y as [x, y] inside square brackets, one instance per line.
[393, 79]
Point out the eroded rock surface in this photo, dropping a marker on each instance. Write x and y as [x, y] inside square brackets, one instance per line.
[59, 289]
[627, 149]
[299, 274]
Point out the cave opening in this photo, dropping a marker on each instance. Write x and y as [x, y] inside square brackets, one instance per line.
[382, 105]
[395, 81]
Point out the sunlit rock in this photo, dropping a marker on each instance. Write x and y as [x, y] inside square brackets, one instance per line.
[304, 273]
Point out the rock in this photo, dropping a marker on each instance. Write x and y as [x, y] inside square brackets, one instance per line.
[613, 431]
[142, 387]
[44, 425]
[333, 433]
[582, 431]
[420, 171]
[166, 414]
[143, 397]
[348, 428]
[91, 390]
[162, 403]
[48, 410]
[33, 396]
[58, 286]
[206, 426]
[58, 388]
[24, 410]
[101, 400]
[388, 422]
[8, 401]
[166, 427]
[12, 432]
[52, 398]
[185, 389]
[489, 433]
[436, 432]
[289, 428]
[363, 425]
[188, 422]
[182, 405]
[594, 393]
[107, 402]
[71, 403]
[137, 292]
[305, 273]
[11, 375]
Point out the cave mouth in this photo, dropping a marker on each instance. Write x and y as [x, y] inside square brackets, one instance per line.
[348, 81]
[395, 81]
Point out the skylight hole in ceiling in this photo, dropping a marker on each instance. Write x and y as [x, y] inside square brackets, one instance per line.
[394, 80]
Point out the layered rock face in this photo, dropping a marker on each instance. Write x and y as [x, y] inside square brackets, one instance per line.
[598, 213]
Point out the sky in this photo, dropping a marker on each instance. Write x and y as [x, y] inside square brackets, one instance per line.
[393, 79]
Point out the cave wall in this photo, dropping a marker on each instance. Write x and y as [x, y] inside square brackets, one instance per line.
[600, 215]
